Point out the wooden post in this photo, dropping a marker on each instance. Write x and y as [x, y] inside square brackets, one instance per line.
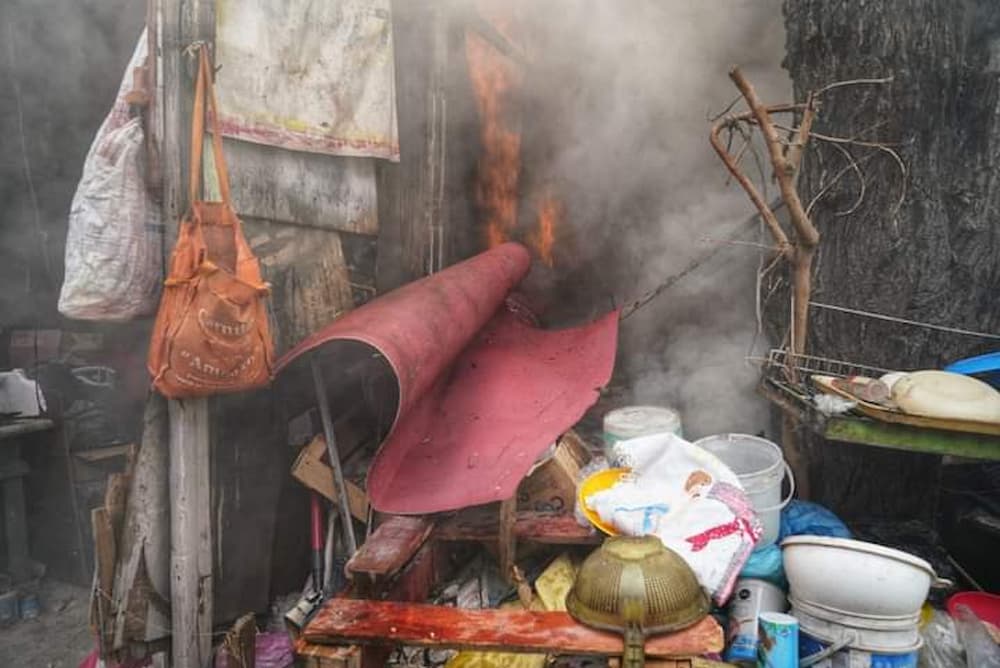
[183, 22]
[190, 534]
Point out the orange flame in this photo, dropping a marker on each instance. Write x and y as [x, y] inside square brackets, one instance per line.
[495, 81]
[544, 240]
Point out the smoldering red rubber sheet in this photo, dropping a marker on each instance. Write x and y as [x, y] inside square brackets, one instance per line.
[482, 390]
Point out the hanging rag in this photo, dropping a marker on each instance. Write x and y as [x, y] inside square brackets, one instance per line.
[308, 76]
[687, 498]
[211, 333]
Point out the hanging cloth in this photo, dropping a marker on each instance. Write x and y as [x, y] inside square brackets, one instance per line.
[309, 76]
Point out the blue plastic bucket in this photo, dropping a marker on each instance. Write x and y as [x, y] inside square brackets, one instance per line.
[855, 658]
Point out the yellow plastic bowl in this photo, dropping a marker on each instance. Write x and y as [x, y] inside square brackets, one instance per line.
[599, 482]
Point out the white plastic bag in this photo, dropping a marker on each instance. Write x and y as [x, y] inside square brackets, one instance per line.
[114, 259]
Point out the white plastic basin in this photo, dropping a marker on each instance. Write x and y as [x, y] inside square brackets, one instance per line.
[855, 577]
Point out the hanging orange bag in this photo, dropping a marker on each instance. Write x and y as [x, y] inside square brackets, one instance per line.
[211, 333]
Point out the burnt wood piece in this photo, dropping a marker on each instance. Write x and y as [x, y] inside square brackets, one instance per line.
[374, 622]
[529, 526]
[391, 546]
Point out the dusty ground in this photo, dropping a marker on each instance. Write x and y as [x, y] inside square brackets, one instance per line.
[58, 638]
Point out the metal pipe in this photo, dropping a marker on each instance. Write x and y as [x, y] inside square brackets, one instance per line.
[331, 449]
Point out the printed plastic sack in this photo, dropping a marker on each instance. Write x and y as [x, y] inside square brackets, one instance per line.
[690, 500]
[114, 254]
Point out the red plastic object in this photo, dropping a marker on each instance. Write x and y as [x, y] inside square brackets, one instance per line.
[421, 327]
[984, 606]
[482, 391]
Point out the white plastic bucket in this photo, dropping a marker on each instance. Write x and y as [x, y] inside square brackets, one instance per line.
[750, 598]
[885, 637]
[816, 653]
[760, 466]
[634, 421]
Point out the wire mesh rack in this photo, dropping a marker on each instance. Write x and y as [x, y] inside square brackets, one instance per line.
[780, 362]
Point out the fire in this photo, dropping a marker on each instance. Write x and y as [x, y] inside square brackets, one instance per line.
[495, 81]
[544, 240]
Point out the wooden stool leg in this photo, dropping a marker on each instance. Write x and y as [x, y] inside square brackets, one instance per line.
[507, 539]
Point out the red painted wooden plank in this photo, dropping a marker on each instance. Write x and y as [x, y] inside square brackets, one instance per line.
[391, 546]
[363, 621]
[529, 526]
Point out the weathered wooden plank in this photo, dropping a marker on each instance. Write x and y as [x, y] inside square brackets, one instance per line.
[142, 574]
[306, 189]
[403, 187]
[529, 526]
[250, 463]
[913, 439]
[310, 283]
[391, 546]
[343, 621]
[102, 454]
[327, 656]
[104, 576]
[190, 533]
[506, 538]
[316, 474]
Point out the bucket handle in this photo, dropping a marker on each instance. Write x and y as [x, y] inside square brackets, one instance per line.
[813, 659]
[791, 491]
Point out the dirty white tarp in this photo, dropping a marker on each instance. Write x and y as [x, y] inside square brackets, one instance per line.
[308, 76]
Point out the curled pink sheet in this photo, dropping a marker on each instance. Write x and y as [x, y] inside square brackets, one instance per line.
[482, 391]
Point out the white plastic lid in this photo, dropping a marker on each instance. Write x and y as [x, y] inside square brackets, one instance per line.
[633, 421]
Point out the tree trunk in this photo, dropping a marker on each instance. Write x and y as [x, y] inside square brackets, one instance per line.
[924, 247]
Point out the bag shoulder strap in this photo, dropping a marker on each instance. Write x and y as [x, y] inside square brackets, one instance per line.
[203, 88]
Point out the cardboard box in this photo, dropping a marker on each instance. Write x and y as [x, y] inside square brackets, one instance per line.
[551, 485]
[313, 471]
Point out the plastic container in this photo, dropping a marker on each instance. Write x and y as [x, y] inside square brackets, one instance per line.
[750, 598]
[760, 466]
[818, 654]
[779, 640]
[984, 606]
[867, 634]
[853, 577]
[633, 421]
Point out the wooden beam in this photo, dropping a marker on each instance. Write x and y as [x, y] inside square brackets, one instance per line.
[183, 23]
[529, 526]
[190, 533]
[104, 575]
[912, 439]
[342, 621]
[391, 546]
[506, 540]
[142, 574]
